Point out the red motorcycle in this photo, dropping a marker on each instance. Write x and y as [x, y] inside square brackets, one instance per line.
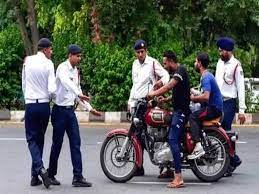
[121, 152]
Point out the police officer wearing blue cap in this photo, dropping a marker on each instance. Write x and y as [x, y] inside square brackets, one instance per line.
[230, 79]
[38, 84]
[145, 71]
[64, 119]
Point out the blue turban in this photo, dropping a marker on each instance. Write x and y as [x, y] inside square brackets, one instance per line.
[226, 43]
[44, 43]
[74, 49]
[140, 44]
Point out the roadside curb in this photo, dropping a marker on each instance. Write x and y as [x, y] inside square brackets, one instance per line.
[107, 118]
[100, 124]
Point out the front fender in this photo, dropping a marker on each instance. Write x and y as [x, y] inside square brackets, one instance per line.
[222, 132]
[134, 139]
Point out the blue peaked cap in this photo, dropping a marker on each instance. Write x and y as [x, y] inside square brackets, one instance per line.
[226, 43]
[140, 44]
[74, 49]
[44, 43]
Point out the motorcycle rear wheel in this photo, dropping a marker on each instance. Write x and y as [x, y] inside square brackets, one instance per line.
[213, 165]
[119, 171]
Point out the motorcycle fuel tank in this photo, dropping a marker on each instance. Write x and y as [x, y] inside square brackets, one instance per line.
[158, 117]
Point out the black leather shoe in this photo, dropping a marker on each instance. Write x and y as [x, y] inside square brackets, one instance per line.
[35, 181]
[235, 161]
[238, 163]
[230, 171]
[227, 174]
[81, 182]
[54, 181]
[140, 172]
[44, 175]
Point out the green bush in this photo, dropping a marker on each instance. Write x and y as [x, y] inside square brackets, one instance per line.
[106, 75]
[11, 52]
[105, 68]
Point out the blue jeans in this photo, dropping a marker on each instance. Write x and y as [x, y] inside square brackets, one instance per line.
[204, 114]
[64, 119]
[36, 123]
[229, 109]
[175, 133]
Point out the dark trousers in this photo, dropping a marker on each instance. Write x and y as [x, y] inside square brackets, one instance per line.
[174, 138]
[64, 119]
[36, 122]
[196, 118]
[141, 140]
[229, 109]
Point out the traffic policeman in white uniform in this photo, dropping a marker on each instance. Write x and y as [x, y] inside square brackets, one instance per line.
[38, 84]
[64, 119]
[145, 73]
[230, 79]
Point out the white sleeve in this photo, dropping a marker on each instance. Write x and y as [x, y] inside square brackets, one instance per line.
[23, 80]
[240, 83]
[162, 73]
[84, 105]
[51, 79]
[132, 88]
[63, 75]
[217, 74]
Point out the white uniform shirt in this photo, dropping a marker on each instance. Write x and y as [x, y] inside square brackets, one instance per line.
[231, 83]
[38, 78]
[68, 86]
[144, 77]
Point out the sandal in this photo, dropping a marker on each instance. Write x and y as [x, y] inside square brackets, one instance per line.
[174, 184]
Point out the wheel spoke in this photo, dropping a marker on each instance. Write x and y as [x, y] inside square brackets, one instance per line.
[114, 166]
[214, 161]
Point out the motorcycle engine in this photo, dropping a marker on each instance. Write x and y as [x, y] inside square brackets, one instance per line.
[162, 153]
[158, 133]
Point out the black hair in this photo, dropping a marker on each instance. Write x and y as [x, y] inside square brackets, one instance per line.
[204, 59]
[170, 55]
[41, 48]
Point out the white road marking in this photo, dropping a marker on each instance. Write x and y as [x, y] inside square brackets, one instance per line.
[165, 183]
[241, 142]
[12, 139]
[99, 142]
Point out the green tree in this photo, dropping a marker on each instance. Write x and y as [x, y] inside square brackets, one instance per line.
[10, 53]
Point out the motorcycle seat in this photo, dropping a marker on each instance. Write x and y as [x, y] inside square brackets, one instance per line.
[212, 122]
[209, 123]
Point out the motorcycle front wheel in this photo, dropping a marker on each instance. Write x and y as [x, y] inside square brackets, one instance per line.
[213, 165]
[118, 169]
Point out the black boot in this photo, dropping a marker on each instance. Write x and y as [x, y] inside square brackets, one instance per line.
[54, 181]
[35, 181]
[81, 182]
[229, 171]
[140, 172]
[44, 175]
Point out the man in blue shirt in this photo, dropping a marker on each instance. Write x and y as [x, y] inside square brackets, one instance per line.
[210, 97]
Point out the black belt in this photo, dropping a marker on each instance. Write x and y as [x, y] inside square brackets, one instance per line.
[65, 107]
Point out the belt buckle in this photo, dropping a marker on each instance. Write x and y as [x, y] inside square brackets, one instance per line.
[226, 98]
